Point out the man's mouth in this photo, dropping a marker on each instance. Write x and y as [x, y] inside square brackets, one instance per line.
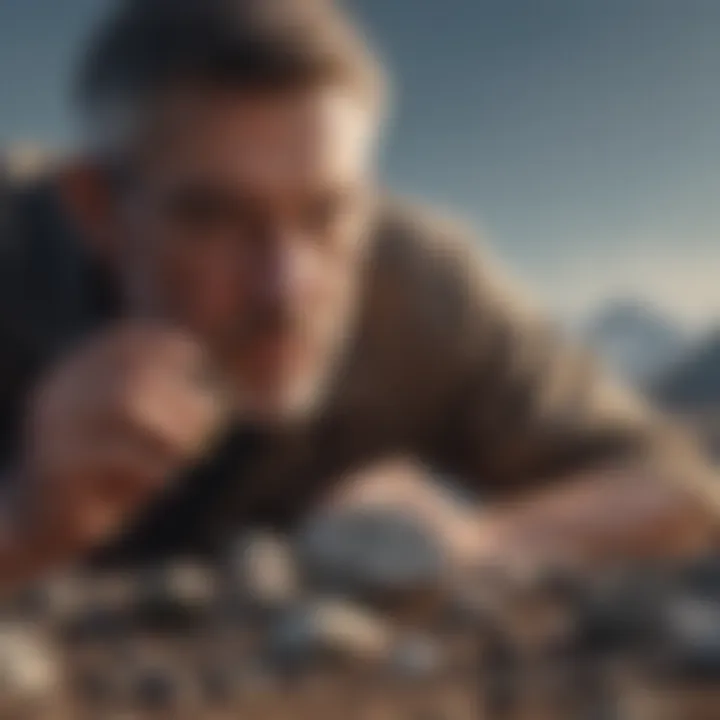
[278, 357]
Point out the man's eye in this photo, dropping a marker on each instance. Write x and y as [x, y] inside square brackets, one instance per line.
[198, 211]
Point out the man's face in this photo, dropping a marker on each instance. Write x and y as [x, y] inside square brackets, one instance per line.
[246, 225]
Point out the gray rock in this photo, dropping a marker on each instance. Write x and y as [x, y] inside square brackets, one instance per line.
[160, 687]
[219, 683]
[224, 682]
[368, 553]
[416, 657]
[692, 639]
[52, 600]
[176, 596]
[96, 686]
[317, 632]
[96, 624]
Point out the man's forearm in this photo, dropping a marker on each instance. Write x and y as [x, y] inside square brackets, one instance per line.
[600, 519]
[27, 548]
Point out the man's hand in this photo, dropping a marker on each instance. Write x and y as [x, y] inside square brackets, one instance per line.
[587, 522]
[105, 431]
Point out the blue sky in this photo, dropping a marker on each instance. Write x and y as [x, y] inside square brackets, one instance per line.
[581, 136]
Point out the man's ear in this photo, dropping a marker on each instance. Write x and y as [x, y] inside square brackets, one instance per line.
[87, 196]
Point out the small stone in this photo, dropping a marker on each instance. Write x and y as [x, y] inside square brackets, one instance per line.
[692, 639]
[218, 684]
[702, 577]
[28, 666]
[224, 683]
[264, 571]
[52, 600]
[97, 687]
[157, 688]
[96, 624]
[176, 596]
[370, 553]
[320, 631]
[416, 657]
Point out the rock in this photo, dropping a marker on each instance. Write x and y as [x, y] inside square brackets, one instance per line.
[416, 657]
[96, 624]
[621, 623]
[219, 684]
[264, 572]
[691, 634]
[321, 631]
[97, 686]
[160, 687]
[702, 577]
[109, 601]
[176, 597]
[52, 600]
[29, 671]
[156, 690]
[223, 683]
[370, 554]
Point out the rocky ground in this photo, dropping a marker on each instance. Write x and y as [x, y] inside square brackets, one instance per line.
[356, 617]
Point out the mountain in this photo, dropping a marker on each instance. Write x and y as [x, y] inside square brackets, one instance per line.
[635, 339]
[693, 384]
[23, 162]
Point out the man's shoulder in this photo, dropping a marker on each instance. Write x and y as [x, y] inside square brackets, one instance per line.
[442, 263]
[431, 262]
[413, 229]
[414, 312]
[430, 247]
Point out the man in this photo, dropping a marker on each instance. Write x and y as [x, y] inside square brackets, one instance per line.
[236, 323]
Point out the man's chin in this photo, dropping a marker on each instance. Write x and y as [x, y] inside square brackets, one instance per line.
[278, 407]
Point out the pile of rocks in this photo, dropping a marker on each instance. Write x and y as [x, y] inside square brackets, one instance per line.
[358, 614]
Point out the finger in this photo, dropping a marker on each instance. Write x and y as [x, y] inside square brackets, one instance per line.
[175, 414]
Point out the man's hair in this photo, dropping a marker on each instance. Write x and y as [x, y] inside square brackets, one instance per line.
[149, 46]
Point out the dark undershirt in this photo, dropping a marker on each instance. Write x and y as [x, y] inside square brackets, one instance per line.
[179, 522]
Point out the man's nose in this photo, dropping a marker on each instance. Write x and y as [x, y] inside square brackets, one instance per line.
[283, 272]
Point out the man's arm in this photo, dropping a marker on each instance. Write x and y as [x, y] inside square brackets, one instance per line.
[27, 549]
[104, 431]
[577, 467]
